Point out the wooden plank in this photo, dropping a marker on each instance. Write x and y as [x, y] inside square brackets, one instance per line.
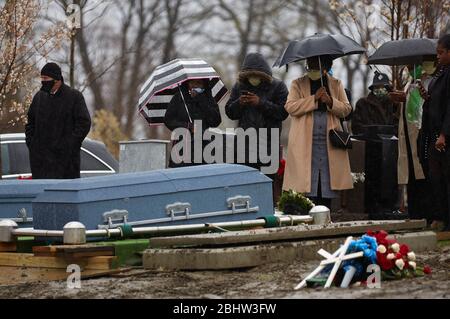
[8, 247]
[285, 234]
[443, 236]
[234, 257]
[31, 261]
[16, 275]
[78, 251]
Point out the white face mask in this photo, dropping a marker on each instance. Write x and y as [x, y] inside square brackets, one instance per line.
[429, 67]
[314, 75]
[254, 80]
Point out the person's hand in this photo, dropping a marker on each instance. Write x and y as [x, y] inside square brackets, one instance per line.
[325, 98]
[243, 100]
[441, 143]
[252, 99]
[423, 92]
[193, 93]
[397, 96]
[190, 127]
[320, 92]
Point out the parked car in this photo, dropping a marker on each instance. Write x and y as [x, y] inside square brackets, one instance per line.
[95, 158]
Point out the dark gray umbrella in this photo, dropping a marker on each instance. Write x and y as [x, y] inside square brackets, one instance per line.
[334, 45]
[404, 52]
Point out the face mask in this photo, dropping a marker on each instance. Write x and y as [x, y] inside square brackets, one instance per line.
[331, 72]
[429, 67]
[314, 75]
[198, 90]
[416, 72]
[47, 86]
[255, 81]
[380, 93]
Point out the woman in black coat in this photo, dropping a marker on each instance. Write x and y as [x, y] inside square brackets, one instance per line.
[193, 103]
[435, 142]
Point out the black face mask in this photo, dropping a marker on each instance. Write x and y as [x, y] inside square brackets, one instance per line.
[47, 86]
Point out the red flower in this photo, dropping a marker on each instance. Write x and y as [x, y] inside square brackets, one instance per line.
[281, 168]
[405, 260]
[404, 250]
[383, 262]
[427, 270]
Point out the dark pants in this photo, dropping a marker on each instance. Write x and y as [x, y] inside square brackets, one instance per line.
[439, 176]
[419, 194]
[319, 200]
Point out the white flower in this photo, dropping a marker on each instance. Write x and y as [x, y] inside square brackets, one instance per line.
[391, 256]
[412, 256]
[395, 247]
[362, 179]
[382, 249]
[400, 264]
[413, 265]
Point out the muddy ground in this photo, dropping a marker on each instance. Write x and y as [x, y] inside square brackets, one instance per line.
[270, 281]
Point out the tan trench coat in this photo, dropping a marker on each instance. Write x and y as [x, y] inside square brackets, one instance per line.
[413, 132]
[300, 105]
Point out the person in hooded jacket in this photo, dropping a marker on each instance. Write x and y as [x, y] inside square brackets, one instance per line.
[193, 103]
[257, 100]
[58, 122]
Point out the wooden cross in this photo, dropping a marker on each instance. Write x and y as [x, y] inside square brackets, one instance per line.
[337, 258]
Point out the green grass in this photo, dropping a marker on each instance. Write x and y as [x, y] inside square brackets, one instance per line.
[443, 243]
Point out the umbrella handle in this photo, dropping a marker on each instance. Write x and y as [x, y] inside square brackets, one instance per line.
[321, 73]
[185, 105]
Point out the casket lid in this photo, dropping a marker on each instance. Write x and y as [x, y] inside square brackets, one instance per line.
[10, 189]
[150, 183]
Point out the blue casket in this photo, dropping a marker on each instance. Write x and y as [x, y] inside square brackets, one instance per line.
[191, 195]
[16, 197]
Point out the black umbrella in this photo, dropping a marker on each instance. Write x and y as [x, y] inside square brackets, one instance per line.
[404, 52]
[334, 45]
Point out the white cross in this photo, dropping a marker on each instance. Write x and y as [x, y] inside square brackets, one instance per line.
[337, 258]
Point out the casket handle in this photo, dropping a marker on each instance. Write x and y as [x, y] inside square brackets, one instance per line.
[115, 215]
[182, 211]
[177, 209]
[239, 202]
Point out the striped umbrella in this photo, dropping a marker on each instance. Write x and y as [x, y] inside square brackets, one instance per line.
[164, 82]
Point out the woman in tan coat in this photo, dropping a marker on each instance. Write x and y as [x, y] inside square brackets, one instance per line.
[315, 167]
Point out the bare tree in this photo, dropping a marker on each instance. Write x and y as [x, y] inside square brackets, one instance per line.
[249, 21]
[21, 49]
[399, 19]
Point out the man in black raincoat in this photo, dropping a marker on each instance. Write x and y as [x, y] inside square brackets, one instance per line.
[58, 122]
[257, 99]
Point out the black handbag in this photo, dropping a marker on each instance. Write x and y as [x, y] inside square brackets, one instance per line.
[340, 139]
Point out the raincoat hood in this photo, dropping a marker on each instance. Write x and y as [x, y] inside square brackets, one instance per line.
[255, 65]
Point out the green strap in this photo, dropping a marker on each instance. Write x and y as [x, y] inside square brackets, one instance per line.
[127, 230]
[272, 221]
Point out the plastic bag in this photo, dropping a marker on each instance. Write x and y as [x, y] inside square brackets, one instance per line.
[414, 107]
